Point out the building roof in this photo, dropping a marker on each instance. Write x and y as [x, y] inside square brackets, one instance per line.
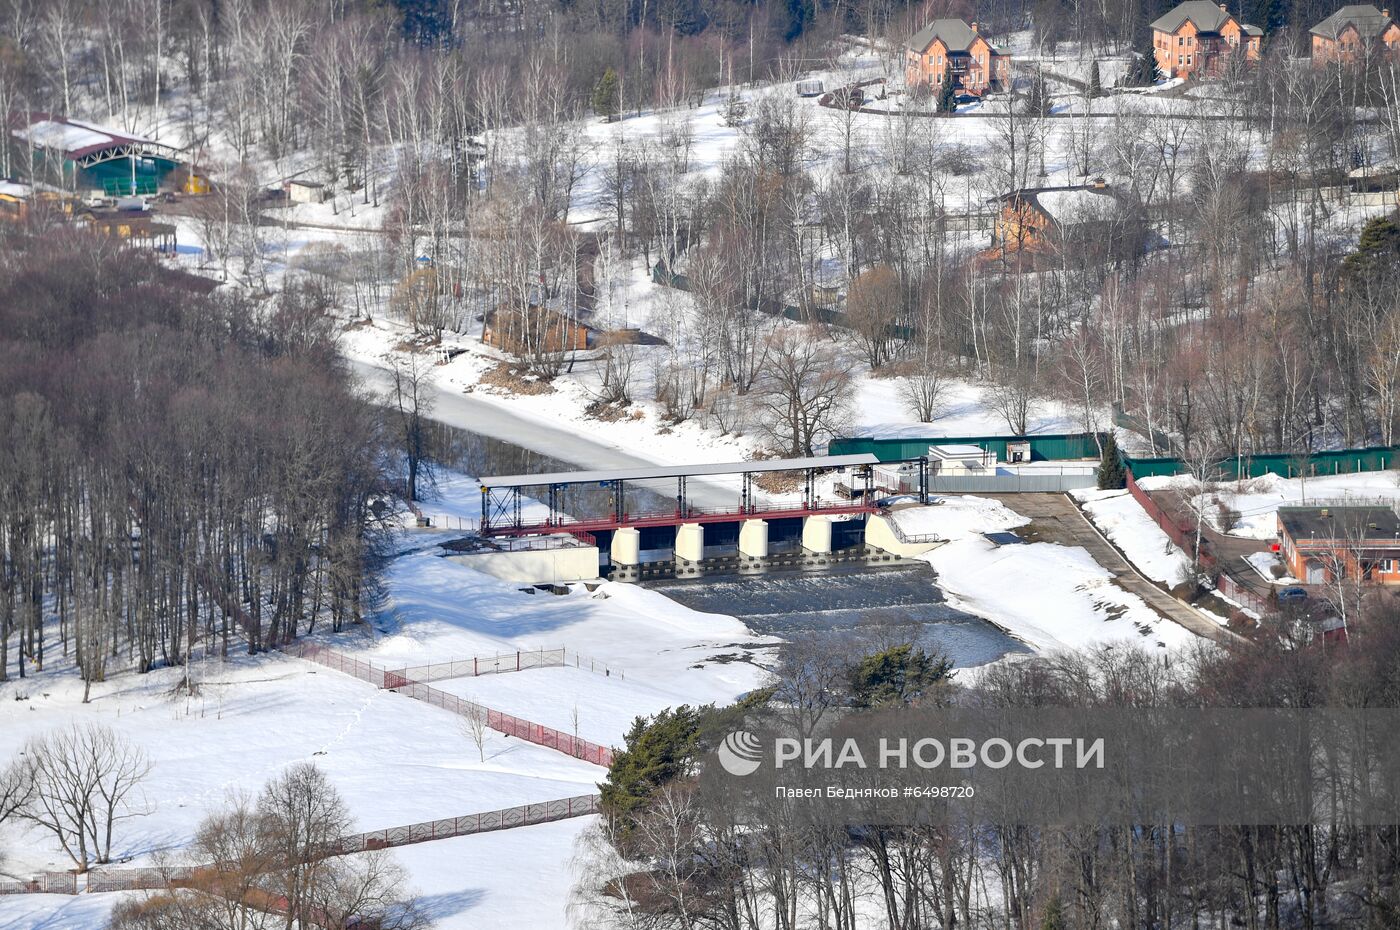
[957, 35]
[1359, 523]
[76, 138]
[957, 451]
[1369, 22]
[677, 471]
[1071, 204]
[1208, 17]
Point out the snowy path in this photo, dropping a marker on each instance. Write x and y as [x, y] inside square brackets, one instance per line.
[498, 422]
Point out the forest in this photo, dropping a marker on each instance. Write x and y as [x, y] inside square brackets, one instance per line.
[714, 864]
[181, 471]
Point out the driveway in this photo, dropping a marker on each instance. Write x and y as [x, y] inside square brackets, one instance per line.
[1059, 521]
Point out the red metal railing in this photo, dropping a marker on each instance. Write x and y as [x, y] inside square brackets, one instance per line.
[497, 720]
[690, 515]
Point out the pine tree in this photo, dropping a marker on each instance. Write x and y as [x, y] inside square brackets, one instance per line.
[947, 100]
[656, 751]
[607, 95]
[898, 675]
[1054, 917]
[1112, 473]
[1095, 84]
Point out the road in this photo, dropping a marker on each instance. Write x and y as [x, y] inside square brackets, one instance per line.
[476, 415]
[1061, 522]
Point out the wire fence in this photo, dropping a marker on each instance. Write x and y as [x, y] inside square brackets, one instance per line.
[519, 661]
[509, 724]
[507, 818]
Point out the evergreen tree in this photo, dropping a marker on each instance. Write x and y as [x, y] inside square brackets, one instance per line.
[1054, 916]
[1038, 97]
[1144, 71]
[898, 675]
[656, 751]
[947, 100]
[1095, 84]
[1113, 474]
[607, 95]
[1377, 250]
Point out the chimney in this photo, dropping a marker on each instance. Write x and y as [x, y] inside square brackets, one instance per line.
[1223, 8]
[974, 26]
[1100, 184]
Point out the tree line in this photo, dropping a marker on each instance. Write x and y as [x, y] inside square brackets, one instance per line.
[671, 856]
[180, 469]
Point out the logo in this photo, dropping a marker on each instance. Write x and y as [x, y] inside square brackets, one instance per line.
[740, 753]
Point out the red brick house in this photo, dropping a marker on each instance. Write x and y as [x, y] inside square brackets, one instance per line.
[1354, 34]
[952, 47]
[1321, 544]
[1199, 37]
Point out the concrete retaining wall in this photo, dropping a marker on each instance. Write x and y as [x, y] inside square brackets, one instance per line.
[535, 566]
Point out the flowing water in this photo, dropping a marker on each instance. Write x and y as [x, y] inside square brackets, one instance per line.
[844, 600]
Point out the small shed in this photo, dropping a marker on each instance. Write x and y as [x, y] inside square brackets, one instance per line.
[961, 459]
[299, 191]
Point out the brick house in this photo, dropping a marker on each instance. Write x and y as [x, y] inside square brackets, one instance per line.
[1037, 221]
[1199, 37]
[951, 46]
[1354, 33]
[1318, 544]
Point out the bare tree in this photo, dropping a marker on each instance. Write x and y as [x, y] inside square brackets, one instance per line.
[805, 389]
[474, 726]
[413, 402]
[277, 862]
[83, 781]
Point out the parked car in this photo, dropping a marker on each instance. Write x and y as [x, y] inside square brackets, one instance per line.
[1293, 595]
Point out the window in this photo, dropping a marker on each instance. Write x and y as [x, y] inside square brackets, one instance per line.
[1180, 60]
[1180, 40]
[1386, 566]
[1188, 61]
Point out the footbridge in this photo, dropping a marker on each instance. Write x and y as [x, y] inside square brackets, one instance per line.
[633, 514]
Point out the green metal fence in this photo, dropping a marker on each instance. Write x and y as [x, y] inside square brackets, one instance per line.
[1339, 462]
[1049, 447]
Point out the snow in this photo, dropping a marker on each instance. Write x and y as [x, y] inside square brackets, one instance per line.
[1127, 525]
[1265, 562]
[1257, 500]
[1077, 206]
[1050, 596]
[393, 759]
[881, 412]
[958, 517]
[66, 136]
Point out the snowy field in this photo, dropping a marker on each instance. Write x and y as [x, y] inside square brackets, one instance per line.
[1122, 519]
[1256, 501]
